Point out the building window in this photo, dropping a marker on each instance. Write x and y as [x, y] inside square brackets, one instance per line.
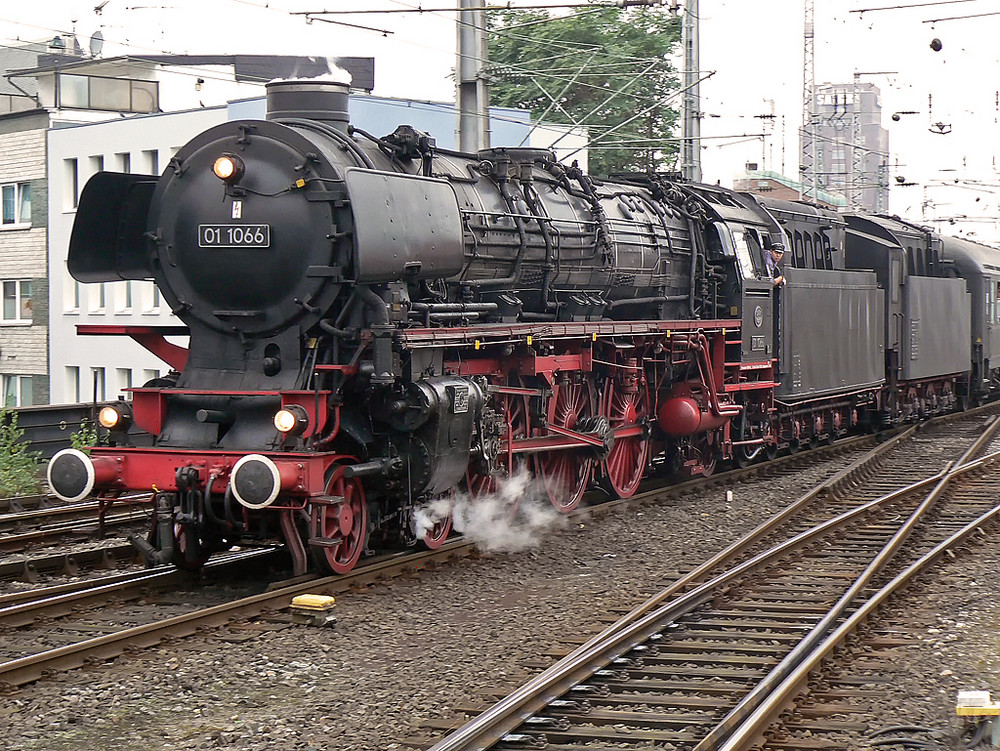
[151, 298]
[124, 378]
[16, 205]
[17, 391]
[71, 294]
[123, 297]
[124, 161]
[151, 161]
[73, 384]
[149, 375]
[97, 380]
[97, 297]
[111, 94]
[96, 164]
[16, 300]
[71, 192]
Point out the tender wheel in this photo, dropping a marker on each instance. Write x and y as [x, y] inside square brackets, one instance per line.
[625, 465]
[346, 523]
[564, 474]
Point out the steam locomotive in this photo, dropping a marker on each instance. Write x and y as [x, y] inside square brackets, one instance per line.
[377, 323]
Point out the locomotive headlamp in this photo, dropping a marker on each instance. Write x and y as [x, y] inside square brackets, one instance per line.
[115, 417]
[228, 168]
[291, 420]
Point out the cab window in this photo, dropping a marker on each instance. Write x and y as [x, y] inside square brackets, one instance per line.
[798, 251]
[717, 245]
[756, 250]
[744, 254]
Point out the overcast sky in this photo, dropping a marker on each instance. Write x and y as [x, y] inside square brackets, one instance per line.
[754, 51]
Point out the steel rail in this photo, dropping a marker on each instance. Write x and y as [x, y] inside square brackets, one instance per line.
[17, 503]
[800, 652]
[742, 736]
[509, 713]
[16, 517]
[68, 562]
[19, 609]
[65, 509]
[32, 667]
[73, 526]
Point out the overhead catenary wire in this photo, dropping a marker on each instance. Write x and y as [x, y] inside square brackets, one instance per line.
[911, 5]
[617, 60]
[657, 103]
[481, 8]
[962, 18]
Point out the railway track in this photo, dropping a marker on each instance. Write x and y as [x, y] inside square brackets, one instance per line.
[70, 563]
[25, 503]
[22, 610]
[83, 523]
[57, 532]
[711, 661]
[31, 665]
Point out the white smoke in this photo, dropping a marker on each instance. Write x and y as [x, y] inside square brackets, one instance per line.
[425, 517]
[334, 73]
[516, 516]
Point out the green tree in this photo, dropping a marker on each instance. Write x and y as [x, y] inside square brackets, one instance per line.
[86, 437]
[18, 464]
[598, 67]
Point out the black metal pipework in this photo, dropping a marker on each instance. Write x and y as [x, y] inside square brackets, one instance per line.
[515, 273]
[534, 206]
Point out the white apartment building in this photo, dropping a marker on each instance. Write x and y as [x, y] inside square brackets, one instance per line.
[87, 367]
[47, 86]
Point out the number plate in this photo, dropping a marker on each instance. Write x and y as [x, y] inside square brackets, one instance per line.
[234, 235]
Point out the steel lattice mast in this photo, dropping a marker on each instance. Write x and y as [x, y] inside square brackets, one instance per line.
[808, 148]
[691, 102]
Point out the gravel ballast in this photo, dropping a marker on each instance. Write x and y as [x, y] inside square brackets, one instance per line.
[411, 650]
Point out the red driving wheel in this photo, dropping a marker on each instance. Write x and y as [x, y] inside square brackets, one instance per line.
[346, 523]
[626, 410]
[564, 474]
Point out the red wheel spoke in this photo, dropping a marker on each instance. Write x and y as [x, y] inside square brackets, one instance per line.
[346, 522]
[626, 462]
[565, 474]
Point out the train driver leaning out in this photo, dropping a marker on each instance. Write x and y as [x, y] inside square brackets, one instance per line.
[772, 260]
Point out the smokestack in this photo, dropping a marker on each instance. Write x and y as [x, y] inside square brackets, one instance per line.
[311, 99]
